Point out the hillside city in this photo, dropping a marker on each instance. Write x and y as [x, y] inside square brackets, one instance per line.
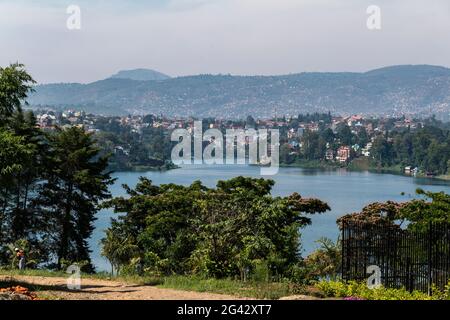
[342, 139]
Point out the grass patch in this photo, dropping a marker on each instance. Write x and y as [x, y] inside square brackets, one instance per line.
[132, 279]
[359, 164]
[259, 290]
[250, 289]
[32, 272]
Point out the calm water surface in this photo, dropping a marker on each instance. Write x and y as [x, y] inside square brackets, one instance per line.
[344, 191]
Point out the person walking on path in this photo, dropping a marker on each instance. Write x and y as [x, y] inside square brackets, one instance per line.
[20, 254]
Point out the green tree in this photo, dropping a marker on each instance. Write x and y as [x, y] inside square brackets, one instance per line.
[328, 135]
[21, 151]
[118, 248]
[285, 154]
[15, 84]
[25, 221]
[362, 137]
[432, 207]
[324, 262]
[75, 183]
[382, 151]
[417, 213]
[12, 150]
[345, 135]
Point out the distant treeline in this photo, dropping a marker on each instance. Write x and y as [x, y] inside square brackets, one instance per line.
[426, 147]
[131, 150]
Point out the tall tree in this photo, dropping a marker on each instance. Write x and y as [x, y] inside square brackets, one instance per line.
[25, 222]
[19, 140]
[12, 150]
[76, 183]
[344, 133]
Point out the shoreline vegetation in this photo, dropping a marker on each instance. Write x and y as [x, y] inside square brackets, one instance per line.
[312, 165]
[359, 165]
[144, 168]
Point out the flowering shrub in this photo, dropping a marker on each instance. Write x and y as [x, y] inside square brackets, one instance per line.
[357, 291]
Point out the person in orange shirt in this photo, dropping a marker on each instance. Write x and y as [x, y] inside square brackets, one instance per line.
[20, 254]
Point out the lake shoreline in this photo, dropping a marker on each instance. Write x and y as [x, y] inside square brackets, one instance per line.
[376, 170]
[145, 169]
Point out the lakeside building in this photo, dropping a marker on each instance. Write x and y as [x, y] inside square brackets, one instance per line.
[343, 154]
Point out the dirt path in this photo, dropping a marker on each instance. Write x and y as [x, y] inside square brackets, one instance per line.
[95, 289]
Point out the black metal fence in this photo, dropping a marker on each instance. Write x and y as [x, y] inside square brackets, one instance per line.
[415, 260]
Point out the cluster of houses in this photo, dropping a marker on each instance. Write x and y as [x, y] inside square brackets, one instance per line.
[343, 153]
[48, 119]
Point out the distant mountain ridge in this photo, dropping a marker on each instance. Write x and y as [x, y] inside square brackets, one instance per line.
[406, 89]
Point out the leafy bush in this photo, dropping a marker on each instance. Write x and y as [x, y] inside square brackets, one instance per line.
[360, 290]
[261, 272]
[325, 262]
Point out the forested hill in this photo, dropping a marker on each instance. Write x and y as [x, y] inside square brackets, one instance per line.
[417, 90]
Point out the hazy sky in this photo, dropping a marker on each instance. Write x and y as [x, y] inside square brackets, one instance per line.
[183, 37]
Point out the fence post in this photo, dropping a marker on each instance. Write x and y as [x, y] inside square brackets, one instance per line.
[343, 251]
[408, 274]
[430, 258]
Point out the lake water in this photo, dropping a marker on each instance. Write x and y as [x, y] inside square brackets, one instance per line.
[343, 190]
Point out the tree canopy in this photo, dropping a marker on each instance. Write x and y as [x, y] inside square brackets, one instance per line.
[51, 183]
[15, 84]
[415, 214]
[222, 231]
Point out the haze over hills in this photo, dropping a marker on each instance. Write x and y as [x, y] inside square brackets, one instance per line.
[419, 90]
